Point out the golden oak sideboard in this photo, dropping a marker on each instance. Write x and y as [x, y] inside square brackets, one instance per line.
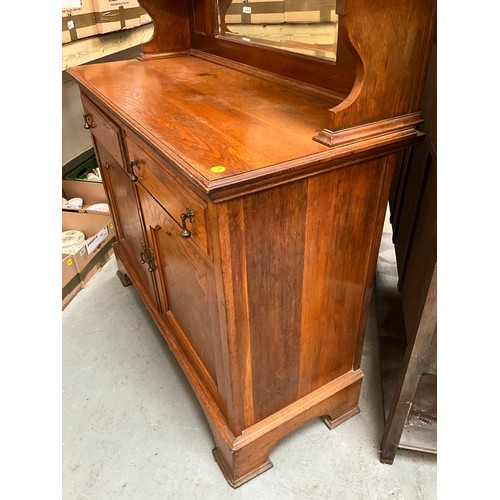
[249, 186]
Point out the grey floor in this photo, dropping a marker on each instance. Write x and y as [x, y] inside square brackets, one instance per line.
[133, 429]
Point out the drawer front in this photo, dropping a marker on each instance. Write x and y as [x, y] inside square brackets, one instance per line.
[177, 199]
[103, 129]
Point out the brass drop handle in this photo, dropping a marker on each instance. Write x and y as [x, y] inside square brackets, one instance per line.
[151, 262]
[143, 254]
[144, 257]
[131, 165]
[87, 121]
[188, 214]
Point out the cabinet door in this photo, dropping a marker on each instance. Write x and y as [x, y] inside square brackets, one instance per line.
[127, 217]
[186, 283]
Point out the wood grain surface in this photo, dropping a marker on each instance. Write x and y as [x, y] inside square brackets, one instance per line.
[227, 118]
[264, 303]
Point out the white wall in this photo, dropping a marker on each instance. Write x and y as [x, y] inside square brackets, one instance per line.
[75, 139]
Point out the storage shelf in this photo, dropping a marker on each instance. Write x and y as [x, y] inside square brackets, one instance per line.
[95, 47]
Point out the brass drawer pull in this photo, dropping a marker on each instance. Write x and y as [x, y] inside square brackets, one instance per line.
[88, 121]
[131, 165]
[188, 214]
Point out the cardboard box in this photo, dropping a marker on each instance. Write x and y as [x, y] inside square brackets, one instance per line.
[78, 22]
[279, 12]
[91, 193]
[71, 283]
[311, 11]
[256, 12]
[100, 235]
[116, 15]
[101, 258]
[98, 229]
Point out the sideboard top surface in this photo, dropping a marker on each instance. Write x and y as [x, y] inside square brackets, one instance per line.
[205, 115]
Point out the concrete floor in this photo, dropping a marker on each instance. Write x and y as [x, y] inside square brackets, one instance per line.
[133, 429]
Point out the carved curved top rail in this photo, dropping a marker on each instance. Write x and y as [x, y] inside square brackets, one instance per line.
[388, 42]
[391, 41]
[171, 27]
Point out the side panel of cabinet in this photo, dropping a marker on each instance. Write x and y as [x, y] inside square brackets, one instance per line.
[126, 214]
[186, 283]
[297, 263]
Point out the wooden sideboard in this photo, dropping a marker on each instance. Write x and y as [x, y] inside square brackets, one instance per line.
[249, 187]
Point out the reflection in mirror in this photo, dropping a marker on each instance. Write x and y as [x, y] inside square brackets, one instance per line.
[303, 26]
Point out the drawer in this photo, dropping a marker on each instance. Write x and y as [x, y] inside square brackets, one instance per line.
[103, 129]
[155, 174]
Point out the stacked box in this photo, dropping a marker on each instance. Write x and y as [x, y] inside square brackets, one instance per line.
[78, 22]
[94, 253]
[80, 266]
[116, 15]
[256, 12]
[278, 12]
[71, 283]
[97, 17]
[310, 11]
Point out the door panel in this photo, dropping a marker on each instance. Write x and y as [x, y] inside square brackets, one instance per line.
[187, 285]
[124, 204]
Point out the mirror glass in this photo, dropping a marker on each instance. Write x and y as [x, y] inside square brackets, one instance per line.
[303, 26]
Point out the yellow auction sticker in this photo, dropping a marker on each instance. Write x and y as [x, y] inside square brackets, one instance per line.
[218, 169]
[111, 225]
[70, 261]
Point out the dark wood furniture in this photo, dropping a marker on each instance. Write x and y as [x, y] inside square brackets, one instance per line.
[249, 187]
[408, 305]
[408, 363]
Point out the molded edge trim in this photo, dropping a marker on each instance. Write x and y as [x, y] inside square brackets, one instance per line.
[236, 482]
[348, 147]
[297, 408]
[339, 156]
[404, 125]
